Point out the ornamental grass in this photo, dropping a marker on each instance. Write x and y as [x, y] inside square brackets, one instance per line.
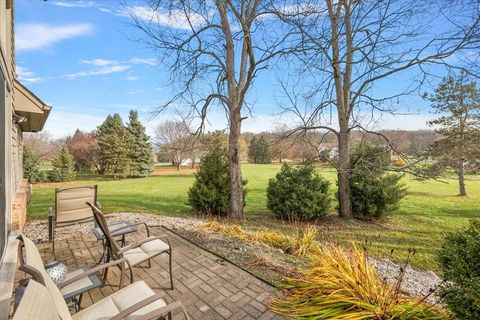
[302, 244]
[342, 284]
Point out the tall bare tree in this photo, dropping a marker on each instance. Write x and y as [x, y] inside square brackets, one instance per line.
[214, 50]
[352, 48]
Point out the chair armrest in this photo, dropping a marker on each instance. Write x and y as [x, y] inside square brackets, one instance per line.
[155, 314]
[90, 271]
[98, 205]
[139, 243]
[135, 224]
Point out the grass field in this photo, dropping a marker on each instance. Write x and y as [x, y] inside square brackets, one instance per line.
[429, 210]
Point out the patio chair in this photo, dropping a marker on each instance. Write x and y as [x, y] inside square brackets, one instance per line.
[70, 209]
[43, 299]
[135, 253]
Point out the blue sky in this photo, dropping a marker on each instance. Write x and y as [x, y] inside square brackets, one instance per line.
[78, 57]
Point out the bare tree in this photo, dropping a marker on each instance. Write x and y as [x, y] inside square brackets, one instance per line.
[174, 140]
[214, 50]
[351, 47]
[42, 145]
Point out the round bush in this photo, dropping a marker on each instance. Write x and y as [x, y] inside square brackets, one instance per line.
[375, 196]
[373, 192]
[460, 261]
[298, 193]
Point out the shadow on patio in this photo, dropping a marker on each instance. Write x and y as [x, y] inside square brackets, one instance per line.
[208, 286]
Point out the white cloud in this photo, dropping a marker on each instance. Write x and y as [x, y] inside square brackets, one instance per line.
[104, 70]
[72, 4]
[33, 36]
[172, 18]
[100, 62]
[27, 76]
[147, 61]
[131, 78]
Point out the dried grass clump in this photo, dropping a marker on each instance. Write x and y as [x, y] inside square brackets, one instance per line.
[342, 285]
[301, 245]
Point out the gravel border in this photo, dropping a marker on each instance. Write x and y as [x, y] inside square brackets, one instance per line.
[37, 230]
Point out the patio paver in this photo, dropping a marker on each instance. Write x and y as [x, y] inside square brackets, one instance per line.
[208, 286]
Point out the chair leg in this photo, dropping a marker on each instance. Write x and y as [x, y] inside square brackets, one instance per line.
[131, 272]
[122, 271]
[170, 268]
[53, 244]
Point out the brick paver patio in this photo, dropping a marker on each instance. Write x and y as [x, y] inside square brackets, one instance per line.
[208, 286]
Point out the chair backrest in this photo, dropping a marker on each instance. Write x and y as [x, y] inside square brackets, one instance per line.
[31, 262]
[102, 224]
[70, 205]
[37, 303]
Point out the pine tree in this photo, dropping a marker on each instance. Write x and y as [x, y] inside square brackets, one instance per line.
[259, 151]
[141, 154]
[116, 145]
[31, 166]
[63, 166]
[459, 104]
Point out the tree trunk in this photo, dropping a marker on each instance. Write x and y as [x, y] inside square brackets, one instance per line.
[461, 178]
[345, 204]
[236, 183]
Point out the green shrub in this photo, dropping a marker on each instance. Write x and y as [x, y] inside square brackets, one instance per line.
[63, 166]
[460, 261]
[31, 167]
[374, 193]
[210, 193]
[298, 193]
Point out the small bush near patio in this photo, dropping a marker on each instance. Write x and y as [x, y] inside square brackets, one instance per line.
[31, 167]
[342, 285]
[298, 193]
[210, 193]
[460, 261]
[374, 193]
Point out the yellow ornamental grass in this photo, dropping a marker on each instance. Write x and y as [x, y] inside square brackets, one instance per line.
[343, 285]
[302, 244]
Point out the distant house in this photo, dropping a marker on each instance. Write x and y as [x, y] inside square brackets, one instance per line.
[20, 111]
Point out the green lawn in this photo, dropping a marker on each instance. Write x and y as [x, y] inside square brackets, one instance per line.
[429, 210]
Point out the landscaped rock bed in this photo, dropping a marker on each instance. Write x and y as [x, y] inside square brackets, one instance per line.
[265, 262]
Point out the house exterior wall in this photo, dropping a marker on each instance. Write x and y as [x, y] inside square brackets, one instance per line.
[11, 144]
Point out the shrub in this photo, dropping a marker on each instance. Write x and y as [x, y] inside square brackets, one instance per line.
[343, 285]
[374, 193]
[31, 168]
[63, 166]
[460, 261]
[298, 193]
[210, 193]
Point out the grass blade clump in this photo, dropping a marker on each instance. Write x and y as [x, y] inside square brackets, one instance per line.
[342, 285]
[301, 245]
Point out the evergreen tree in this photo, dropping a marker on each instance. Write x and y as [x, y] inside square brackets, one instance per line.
[259, 151]
[116, 145]
[31, 168]
[210, 193]
[63, 166]
[459, 104]
[141, 154]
